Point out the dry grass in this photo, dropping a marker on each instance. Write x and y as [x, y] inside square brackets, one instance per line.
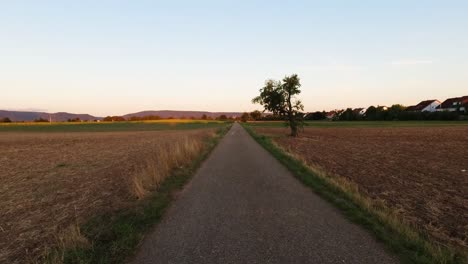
[52, 183]
[416, 175]
[158, 164]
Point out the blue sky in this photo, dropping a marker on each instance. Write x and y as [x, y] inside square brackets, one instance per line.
[115, 57]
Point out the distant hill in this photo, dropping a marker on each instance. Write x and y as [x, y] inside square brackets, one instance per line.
[56, 117]
[180, 114]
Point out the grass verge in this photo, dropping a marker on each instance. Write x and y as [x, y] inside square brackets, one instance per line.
[113, 238]
[406, 241]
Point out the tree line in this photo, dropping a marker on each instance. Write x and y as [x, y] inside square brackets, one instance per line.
[155, 117]
[397, 112]
[373, 113]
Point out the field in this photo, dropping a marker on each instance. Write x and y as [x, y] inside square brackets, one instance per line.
[336, 124]
[419, 171]
[54, 182]
[169, 124]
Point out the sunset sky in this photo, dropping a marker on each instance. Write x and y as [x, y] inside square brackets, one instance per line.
[116, 57]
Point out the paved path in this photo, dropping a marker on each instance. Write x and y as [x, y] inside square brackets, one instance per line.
[243, 206]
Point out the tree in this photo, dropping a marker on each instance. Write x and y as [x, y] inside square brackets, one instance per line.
[279, 98]
[41, 120]
[113, 118]
[348, 115]
[393, 113]
[204, 117]
[316, 116]
[256, 115]
[222, 117]
[371, 113]
[245, 117]
[5, 120]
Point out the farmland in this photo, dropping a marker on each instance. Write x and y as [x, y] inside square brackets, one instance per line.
[54, 182]
[419, 170]
[169, 124]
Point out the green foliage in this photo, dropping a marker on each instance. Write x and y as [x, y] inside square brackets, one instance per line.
[256, 115]
[393, 113]
[143, 118]
[443, 116]
[349, 115]
[398, 112]
[113, 118]
[279, 98]
[316, 116]
[41, 120]
[222, 118]
[245, 117]
[376, 113]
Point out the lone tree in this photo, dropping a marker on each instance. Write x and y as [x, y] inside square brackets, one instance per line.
[279, 97]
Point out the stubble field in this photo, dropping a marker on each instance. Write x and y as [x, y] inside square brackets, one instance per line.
[53, 182]
[420, 172]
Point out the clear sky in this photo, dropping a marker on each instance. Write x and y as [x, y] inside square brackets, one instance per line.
[115, 57]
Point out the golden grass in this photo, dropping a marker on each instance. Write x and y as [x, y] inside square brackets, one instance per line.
[54, 182]
[158, 165]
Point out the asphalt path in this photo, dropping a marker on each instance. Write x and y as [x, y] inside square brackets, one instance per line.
[243, 206]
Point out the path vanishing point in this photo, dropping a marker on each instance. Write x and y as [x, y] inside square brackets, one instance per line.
[243, 206]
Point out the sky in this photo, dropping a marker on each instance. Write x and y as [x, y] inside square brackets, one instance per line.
[117, 57]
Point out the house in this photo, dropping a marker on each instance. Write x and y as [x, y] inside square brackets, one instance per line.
[331, 114]
[359, 111]
[454, 104]
[424, 106]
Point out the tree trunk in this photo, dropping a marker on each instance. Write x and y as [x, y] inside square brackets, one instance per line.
[291, 118]
[293, 127]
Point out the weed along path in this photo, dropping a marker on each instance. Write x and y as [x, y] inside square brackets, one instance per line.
[243, 206]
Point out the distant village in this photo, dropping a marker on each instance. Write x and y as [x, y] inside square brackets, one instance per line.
[451, 108]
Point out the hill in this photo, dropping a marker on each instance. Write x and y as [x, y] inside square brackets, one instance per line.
[181, 114]
[56, 117]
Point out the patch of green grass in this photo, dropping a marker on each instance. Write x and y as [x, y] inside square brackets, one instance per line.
[408, 243]
[334, 124]
[115, 237]
[61, 165]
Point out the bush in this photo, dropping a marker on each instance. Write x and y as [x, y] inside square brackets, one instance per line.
[443, 116]
[41, 120]
[316, 116]
[5, 120]
[113, 118]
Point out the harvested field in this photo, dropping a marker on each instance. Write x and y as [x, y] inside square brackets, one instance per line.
[420, 172]
[53, 182]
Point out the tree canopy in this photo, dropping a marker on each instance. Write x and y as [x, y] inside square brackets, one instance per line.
[279, 98]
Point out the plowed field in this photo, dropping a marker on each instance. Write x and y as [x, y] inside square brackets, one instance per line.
[51, 181]
[421, 172]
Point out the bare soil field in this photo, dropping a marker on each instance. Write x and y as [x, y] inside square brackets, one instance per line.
[51, 182]
[421, 172]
